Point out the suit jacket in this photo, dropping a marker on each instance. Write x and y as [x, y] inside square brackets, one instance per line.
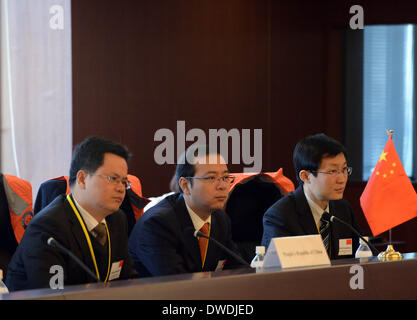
[159, 246]
[31, 263]
[292, 216]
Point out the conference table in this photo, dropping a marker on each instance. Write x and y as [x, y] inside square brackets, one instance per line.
[366, 278]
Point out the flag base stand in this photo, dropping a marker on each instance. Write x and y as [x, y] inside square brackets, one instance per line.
[390, 254]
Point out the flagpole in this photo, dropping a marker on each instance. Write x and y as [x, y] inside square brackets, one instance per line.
[390, 254]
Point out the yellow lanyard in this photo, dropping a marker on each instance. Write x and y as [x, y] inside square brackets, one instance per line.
[87, 237]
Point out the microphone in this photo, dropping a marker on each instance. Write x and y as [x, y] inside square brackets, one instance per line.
[189, 231]
[328, 217]
[55, 244]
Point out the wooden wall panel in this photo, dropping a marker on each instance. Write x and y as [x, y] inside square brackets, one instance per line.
[139, 66]
[142, 65]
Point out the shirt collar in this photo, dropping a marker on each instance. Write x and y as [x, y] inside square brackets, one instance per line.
[315, 209]
[197, 221]
[90, 221]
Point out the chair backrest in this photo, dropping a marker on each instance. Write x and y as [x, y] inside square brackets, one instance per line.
[249, 198]
[16, 212]
[49, 190]
[132, 204]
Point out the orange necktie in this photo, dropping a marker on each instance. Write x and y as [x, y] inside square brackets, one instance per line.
[203, 242]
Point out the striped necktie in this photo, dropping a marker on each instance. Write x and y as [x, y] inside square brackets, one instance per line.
[203, 242]
[101, 234]
[325, 233]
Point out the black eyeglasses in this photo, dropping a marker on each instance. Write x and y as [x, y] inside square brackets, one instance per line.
[213, 179]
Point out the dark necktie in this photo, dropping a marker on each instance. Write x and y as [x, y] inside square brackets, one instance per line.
[101, 234]
[325, 232]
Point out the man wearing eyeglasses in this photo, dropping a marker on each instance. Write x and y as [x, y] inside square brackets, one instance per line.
[322, 172]
[160, 244]
[87, 222]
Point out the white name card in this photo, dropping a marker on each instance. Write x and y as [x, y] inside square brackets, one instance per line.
[299, 251]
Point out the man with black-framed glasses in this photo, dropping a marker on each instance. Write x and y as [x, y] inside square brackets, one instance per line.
[160, 244]
[322, 171]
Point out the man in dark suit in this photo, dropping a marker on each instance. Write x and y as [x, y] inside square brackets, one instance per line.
[322, 171]
[160, 244]
[87, 222]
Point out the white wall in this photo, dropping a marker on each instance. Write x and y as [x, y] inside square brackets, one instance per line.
[36, 70]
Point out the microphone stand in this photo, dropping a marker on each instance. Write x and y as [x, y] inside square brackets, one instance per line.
[54, 243]
[353, 229]
[230, 252]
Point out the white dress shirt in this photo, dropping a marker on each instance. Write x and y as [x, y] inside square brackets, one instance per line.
[90, 221]
[197, 221]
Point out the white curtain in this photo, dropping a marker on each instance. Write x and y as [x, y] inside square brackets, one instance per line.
[36, 89]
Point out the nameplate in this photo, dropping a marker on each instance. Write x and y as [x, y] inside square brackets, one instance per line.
[299, 251]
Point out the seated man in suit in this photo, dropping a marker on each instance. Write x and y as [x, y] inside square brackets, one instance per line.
[160, 244]
[87, 222]
[322, 172]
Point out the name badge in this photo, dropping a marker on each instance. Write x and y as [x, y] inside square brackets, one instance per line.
[220, 265]
[345, 247]
[115, 270]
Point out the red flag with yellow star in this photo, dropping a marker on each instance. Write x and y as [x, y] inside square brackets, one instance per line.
[389, 198]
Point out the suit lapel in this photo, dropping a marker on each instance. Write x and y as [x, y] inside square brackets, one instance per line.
[78, 234]
[305, 216]
[190, 243]
[335, 227]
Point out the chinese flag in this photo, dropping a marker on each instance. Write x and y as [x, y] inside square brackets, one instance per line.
[389, 198]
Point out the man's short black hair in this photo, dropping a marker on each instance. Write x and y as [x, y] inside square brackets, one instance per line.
[89, 155]
[186, 162]
[310, 151]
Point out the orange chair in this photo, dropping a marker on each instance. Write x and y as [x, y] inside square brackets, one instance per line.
[15, 215]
